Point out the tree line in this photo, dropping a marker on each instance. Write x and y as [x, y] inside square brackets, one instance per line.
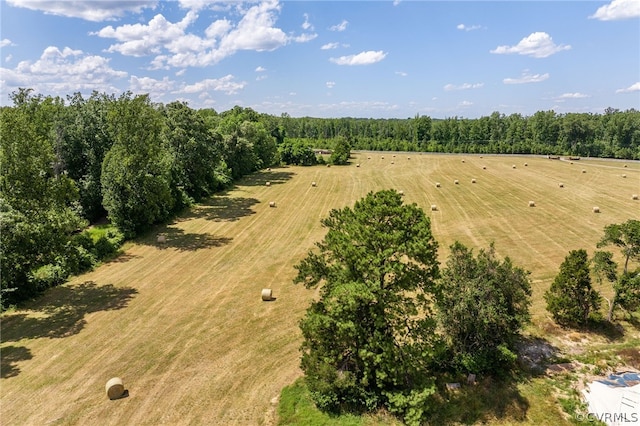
[69, 163]
[613, 134]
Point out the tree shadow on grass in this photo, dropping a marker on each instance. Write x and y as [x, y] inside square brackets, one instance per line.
[220, 208]
[274, 177]
[178, 239]
[9, 356]
[61, 310]
[482, 402]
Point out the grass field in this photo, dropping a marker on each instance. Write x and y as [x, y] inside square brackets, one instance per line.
[183, 325]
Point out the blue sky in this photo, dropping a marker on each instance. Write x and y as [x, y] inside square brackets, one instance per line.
[379, 59]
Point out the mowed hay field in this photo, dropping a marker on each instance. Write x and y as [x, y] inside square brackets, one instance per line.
[183, 324]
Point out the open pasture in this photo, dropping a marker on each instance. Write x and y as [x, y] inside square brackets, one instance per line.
[183, 323]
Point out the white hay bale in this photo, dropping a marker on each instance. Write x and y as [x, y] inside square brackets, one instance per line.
[369, 158]
[267, 294]
[532, 204]
[268, 169]
[473, 181]
[513, 166]
[584, 171]
[625, 165]
[268, 183]
[437, 184]
[624, 176]
[393, 162]
[272, 203]
[634, 197]
[526, 164]
[328, 165]
[162, 238]
[358, 165]
[561, 185]
[484, 167]
[408, 158]
[401, 192]
[313, 184]
[570, 162]
[382, 157]
[434, 208]
[481, 156]
[463, 161]
[394, 156]
[456, 182]
[114, 388]
[596, 209]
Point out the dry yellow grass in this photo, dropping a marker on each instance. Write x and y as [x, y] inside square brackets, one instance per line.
[183, 323]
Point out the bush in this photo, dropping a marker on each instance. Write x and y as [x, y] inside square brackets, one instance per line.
[47, 276]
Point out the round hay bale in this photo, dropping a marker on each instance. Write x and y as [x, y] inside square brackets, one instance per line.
[473, 181]
[272, 203]
[634, 197]
[456, 181]
[328, 165]
[437, 184]
[513, 166]
[434, 208]
[584, 171]
[267, 294]
[484, 167]
[369, 158]
[561, 185]
[408, 158]
[268, 169]
[268, 183]
[313, 184]
[481, 156]
[526, 164]
[463, 161]
[532, 204]
[114, 388]
[401, 192]
[394, 156]
[392, 162]
[570, 162]
[625, 165]
[596, 209]
[358, 165]
[382, 157]
[624, 176]
[162, 238]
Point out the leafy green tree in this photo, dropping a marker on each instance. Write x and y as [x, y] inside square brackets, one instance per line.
[369, 339]
[571, 297]
[483, 305]
[136, 177]
[38, 203]
[297, 152]
[341, 151]
[193, 150]
[626, 286]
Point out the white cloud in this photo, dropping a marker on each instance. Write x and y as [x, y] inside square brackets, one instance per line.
[224, 84]
[537, 45]
[618, 9]
[396, 2]
[261, 77]
[635, 87]
[306, 25]
[260, 69]
[463, 86]
[340, 27]
[401, 73]
[465, 104]
[526, 77]
[329, 46]
[303, 38]
[8, 58]
[360, 107]
[575, 95]
[362, 58]
[5, 42]
[181, 72]
[173, 46]
[464, 27]
[60, 72]
[155, 88]
[90, 10]
[330, 84]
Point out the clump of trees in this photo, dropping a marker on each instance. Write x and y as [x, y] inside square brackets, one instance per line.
[67, 164]
[387, 321]
[572, 300]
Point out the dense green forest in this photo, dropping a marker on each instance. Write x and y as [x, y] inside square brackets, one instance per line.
[70, 163]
